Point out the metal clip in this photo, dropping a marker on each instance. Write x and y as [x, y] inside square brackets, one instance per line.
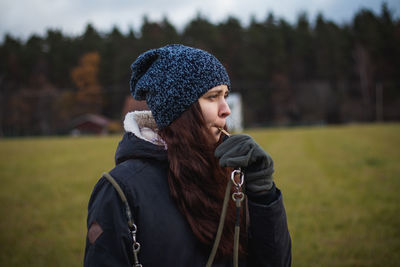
[234, 172]
[135, 246]
[237, 196]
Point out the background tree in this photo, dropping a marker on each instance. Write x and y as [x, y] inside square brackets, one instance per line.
[288, 74]
[89, 98]
[231, 47]
[201, 33]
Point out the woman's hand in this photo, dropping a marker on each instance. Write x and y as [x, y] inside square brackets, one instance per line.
[241, 150]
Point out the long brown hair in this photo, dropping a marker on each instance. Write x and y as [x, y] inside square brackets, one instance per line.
[197, 182]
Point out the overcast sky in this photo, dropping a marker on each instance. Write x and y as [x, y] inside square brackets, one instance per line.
[22, 18]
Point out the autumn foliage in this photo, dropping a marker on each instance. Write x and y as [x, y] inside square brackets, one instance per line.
[306, 72]
[85, 77]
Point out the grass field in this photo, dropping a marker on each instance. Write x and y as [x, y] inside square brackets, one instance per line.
[341, 189]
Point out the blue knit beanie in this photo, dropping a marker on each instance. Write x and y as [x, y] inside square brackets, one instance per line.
[172, 78]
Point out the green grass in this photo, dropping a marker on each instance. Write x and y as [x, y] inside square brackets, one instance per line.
[45, 188]
[341, 190]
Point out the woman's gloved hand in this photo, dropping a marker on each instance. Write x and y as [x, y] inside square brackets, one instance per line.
[241, 150]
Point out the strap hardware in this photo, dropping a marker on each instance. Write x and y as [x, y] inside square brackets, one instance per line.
[238, 197]
[131, 224]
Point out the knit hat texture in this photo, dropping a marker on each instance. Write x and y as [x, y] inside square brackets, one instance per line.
[172, 78]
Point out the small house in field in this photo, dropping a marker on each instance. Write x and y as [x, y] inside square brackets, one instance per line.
[90, 124]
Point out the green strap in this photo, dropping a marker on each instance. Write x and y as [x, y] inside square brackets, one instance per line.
[131, 223]
[237, 234]
[123, 198]
[221, 224]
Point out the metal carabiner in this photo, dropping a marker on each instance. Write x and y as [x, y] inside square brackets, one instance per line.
[234, 172]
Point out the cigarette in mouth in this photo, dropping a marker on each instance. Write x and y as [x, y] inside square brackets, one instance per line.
[224, 132]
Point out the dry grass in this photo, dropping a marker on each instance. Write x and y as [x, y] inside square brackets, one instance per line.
[340, 186]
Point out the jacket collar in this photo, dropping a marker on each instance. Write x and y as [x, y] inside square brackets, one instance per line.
[143, 125]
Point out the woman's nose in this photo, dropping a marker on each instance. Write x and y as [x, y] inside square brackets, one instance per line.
[224, 110]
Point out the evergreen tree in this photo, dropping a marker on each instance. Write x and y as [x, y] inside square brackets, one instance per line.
[303, 67]
[230, 48]
[287, 73]
[202, 34]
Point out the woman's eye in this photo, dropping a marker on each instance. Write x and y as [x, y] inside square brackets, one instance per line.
[213, 96]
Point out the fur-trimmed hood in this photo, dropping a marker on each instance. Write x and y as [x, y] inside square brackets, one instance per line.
[143, 125]
[140, 139]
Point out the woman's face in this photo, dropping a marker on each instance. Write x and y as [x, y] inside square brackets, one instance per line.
[215, 109]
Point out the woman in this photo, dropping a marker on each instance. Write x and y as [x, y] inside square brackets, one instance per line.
[173, 168]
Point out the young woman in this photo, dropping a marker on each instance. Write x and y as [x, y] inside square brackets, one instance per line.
[173, 167]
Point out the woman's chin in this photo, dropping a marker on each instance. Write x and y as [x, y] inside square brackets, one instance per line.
[217, 137]
[215, 133]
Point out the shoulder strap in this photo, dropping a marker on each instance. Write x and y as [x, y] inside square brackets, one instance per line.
[220, 225]
[123, 198]
[131, 223]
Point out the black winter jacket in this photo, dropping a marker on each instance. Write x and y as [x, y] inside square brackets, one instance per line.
[165, 236]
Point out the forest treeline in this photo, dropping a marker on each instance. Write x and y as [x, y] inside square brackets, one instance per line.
[304, 72]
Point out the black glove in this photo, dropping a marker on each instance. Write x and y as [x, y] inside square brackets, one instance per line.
[241, 150]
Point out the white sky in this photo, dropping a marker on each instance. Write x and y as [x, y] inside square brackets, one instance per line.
[22, 18]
